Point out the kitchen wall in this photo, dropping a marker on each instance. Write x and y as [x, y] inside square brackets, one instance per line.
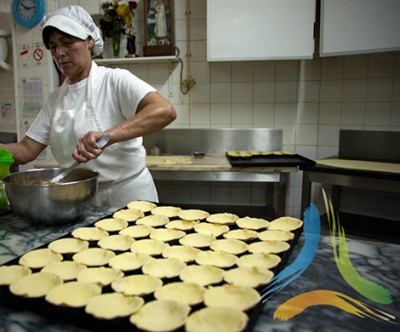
[7, 106]
[310, 100]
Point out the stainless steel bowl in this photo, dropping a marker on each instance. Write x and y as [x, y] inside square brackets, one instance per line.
[29, 196]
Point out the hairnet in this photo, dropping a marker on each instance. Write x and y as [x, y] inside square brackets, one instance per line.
[74, 21]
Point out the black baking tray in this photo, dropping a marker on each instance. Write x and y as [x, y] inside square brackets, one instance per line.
[272, 160]
[79, 318]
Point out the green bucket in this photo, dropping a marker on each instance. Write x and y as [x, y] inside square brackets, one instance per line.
[6, 160]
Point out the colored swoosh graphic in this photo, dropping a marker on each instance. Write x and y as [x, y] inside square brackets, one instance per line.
[367, 288]
[298, 304]
[311, 229]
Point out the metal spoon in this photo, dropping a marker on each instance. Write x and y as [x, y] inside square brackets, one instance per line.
[100, 144]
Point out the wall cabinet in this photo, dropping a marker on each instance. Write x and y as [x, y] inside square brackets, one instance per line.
[284, 29]
[359, 26]
[260, 29]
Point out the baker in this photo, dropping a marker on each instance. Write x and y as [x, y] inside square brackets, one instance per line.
[92, 101]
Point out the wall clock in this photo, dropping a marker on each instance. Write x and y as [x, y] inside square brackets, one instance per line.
[28, 13]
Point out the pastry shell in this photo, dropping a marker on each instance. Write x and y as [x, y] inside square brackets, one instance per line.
[89, 233]
[203, 275]
[38, 258]
[11, 273]
[252, 223]
[188, 293]
[161, 315]
[73, 294]
[66, 270]
[232, 296]
[137, 284]
[217, 319]
[163, 267]
[93, 256]
[102, 276]
[248, 277]
[68, 245]
[113, 305]
[35, 285]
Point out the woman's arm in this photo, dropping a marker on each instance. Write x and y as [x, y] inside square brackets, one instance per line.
[154, 112]
[24, 151]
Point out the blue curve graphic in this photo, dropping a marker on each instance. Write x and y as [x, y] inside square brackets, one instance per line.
[312, 230]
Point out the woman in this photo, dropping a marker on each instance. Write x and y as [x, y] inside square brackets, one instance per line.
[91, 102]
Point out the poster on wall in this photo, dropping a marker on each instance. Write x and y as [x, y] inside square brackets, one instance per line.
[159, 28]
[32, 89]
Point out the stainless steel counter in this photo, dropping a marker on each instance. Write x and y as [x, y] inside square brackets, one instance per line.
[216, 168]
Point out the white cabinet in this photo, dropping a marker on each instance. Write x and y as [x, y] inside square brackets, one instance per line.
[240, 30]
[359, 26]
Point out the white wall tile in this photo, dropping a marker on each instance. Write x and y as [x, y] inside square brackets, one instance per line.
[380, 89]
[201, 71]
[221, 93]
[307, 113]
[310, 70]
[286, 91]
[286, 70]
[221, 72]
[263, 115]
[331, 91]
[263, 92]
[395, 115]
[264, 71]
[328, 135]
[353, 113]
[306, 134]
[330, 113]
[221, 114]
[355, 67]
[378, 114]
[242, 114]
[381, 65]
[332, 68]
[200, 93]
[242, 92]
[354, 90]
[242, 71]
[286, 113]
[200, 114]
[308, 91]
[396, 89]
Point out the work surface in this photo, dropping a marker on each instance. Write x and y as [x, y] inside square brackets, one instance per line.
[377, 262]
[208, 163]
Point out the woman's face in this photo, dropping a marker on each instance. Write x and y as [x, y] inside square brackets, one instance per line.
[72, 55]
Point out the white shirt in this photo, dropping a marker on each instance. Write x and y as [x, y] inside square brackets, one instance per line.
[116, 96]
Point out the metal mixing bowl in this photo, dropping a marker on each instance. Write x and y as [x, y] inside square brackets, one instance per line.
[29, 196]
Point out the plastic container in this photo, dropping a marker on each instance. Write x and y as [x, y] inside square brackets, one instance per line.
[6, 160]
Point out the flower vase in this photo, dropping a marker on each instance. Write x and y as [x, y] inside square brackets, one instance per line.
[131, 46]
[116, 43]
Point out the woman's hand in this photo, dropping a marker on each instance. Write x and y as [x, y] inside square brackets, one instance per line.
[87, 148]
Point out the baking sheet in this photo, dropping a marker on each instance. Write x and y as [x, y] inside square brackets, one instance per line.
[78, 317]
[272, 160]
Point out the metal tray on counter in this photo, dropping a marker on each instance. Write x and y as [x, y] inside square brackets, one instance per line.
[79, 318]
[271, 160]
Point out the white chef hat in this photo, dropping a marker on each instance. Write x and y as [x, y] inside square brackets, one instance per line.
[74, 21]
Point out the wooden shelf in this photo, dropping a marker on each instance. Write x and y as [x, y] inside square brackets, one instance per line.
[154, 59]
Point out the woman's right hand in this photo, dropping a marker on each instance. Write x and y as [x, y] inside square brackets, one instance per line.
[87, 148]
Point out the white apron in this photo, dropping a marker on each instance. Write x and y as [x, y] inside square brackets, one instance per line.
[124, 176]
